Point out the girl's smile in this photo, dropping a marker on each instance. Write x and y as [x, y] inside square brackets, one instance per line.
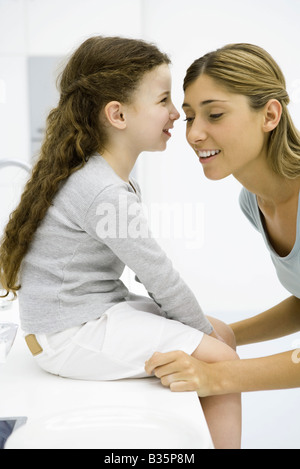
[152, 112]
[167, 132]
[143, 124]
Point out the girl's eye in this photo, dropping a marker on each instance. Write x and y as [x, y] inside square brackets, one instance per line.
[164, 100]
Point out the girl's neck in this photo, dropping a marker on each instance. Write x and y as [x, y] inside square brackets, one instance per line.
[121, 162]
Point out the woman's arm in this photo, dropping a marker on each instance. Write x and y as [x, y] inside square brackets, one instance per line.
[182, 372]
[281, 371]
[283, 319]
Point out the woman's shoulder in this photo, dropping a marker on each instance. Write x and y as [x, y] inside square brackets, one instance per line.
[248, 204]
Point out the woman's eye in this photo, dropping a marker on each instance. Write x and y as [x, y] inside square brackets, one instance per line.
[189, 119]
[216, 116]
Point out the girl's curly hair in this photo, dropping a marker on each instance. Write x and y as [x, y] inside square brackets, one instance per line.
[101, 70]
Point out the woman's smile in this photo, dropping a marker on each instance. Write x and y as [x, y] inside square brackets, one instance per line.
[206, 156]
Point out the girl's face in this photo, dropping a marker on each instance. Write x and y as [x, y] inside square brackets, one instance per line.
[225, 133]
[152, 113]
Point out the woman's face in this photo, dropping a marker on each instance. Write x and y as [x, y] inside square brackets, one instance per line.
[225, 133]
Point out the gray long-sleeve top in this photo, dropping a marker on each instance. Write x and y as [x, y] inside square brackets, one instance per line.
[71, 273]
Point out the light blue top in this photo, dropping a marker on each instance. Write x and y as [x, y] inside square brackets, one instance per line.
[288, 267]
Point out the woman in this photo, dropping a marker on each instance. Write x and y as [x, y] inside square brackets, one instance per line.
[238, 123]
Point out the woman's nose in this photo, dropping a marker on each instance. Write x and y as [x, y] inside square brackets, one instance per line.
[195, 134]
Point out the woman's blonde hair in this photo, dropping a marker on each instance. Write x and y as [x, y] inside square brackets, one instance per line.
[101, 70]
[249, 70]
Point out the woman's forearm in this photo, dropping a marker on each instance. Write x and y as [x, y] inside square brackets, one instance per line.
[280, 371]
[283, 319]
[182, 372]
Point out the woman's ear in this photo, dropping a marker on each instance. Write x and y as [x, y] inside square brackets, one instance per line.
[272, 115]
[114, 113]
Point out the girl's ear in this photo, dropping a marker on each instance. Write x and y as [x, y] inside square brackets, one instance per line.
[272, 115]
[114, 113]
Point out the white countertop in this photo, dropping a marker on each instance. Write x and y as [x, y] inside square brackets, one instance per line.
[136, 413]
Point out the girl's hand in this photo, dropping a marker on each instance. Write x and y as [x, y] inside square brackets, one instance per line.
[180, 372]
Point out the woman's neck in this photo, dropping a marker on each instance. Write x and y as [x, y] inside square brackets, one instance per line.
[270, 188]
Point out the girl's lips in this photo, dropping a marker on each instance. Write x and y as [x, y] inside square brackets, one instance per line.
[166, 131]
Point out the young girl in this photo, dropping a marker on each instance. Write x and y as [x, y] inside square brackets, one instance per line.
[238, 123]
[79, 223]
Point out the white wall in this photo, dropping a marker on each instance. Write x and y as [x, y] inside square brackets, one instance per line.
[229, 270]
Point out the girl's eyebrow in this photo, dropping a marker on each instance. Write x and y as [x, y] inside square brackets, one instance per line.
[208, 101]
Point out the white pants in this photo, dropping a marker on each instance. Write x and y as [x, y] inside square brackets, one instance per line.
[116, 345]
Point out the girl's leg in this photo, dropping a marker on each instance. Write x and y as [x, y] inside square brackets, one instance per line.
[224, 331]
[222, 413]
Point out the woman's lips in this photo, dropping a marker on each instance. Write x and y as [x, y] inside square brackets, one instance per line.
[206, 156]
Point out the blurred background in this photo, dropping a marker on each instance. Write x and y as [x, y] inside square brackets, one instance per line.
[198, 222]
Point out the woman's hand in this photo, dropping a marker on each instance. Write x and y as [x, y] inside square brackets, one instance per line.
[180, 372]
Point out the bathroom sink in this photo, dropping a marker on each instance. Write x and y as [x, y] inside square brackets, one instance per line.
[8, 331]
[108, 427]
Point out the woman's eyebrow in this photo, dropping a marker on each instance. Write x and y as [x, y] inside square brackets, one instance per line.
[165, 93]
[208, 101]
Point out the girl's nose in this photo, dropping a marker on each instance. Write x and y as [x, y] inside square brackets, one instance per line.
[174, 114]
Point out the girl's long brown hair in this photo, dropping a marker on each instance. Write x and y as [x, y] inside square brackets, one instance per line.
[101, 70]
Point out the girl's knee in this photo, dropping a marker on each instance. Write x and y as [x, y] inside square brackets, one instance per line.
[229, 354]
[213, 350]
[225, 331]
